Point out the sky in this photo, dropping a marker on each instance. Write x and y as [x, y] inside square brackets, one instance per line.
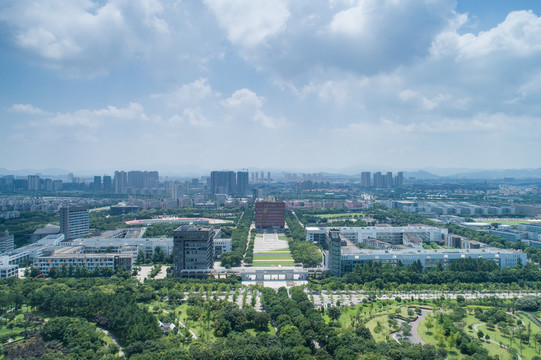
[300, 85]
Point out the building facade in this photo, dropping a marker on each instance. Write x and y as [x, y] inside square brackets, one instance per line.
[6, 242]
[270, 215]
[75, 256]
[193, 248]
[7, 271]
[391, 234]
[74, 222]
[343, 256]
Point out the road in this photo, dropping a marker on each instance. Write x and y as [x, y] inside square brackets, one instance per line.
[106, 332]
[415, 338]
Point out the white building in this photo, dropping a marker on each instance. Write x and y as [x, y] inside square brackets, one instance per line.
[343, 256]
[393, 235]
[122, 245]
[75, 256]
[7, 271]
[222, 246]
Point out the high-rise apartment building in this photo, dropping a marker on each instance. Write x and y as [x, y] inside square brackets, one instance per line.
[74, 222]
[6, 242]
[378, 181]
[121, 182]
[270, 214]
[223, 182]
[388, 180]
[107, 184]
[242, 183]
[96, 186]
[193, 249]
[33, 182]
[399, 179]
[365, 179]
[143, 179]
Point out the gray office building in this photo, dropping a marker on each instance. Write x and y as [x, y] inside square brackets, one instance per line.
[6, 242]
[193, 249]
[74, 222]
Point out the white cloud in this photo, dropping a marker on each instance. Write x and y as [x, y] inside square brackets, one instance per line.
[190, 94]
[192, 116]
[516, 36]
[479, 123]
[84, 38]
[244, 103]
[363, 37]
[27, 109]
[93, 119]
[249, 22]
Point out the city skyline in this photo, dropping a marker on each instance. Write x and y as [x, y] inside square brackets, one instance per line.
[282, 85]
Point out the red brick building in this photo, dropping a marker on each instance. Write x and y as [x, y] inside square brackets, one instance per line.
[270, 215]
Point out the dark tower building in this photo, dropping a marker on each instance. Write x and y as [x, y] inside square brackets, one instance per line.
[270, 214]
[193, 249]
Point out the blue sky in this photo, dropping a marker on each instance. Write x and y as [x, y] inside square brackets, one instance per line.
[93, 86]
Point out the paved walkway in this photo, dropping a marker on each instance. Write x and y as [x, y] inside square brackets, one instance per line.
[108, 333]
[415, 338]
[270, 242]
[144, 273]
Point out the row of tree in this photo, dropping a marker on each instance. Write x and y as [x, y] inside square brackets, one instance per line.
[302, 251]
[239, 240]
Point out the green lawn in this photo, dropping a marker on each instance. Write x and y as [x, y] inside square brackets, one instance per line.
[380, 322]
[429, 337]
[280, 257]
[341, 215]
[507, 222]
[273, 263]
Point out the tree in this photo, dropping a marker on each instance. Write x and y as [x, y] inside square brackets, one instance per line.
[261, 320]
[334, 312]
[158, 257]
[140, 257]
[406, 329]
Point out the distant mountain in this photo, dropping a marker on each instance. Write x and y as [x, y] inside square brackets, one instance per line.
[420, 175]
[499, 174]
[24, 172]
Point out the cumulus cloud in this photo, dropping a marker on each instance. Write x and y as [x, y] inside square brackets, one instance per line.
[363, 37]
[27, 109]
[93, 119]
[516, 36]
[84, 38]
[245, 104]
[192, 116]
[249, 22]
[190, 94]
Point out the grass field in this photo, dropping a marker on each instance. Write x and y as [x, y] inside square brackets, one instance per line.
[505, 222]
[280, 257]
[429, 337]
[273, 263]
[341, 215]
